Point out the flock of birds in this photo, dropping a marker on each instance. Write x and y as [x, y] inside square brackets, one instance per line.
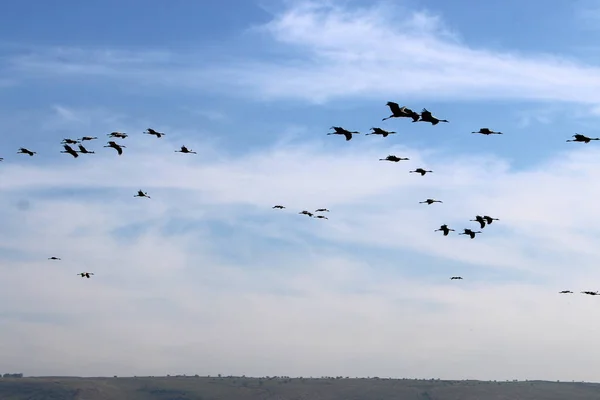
[67, 143]
[397, 112]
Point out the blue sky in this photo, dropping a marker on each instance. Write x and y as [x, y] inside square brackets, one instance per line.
[253, 87]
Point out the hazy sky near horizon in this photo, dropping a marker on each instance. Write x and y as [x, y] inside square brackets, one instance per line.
[206, 278]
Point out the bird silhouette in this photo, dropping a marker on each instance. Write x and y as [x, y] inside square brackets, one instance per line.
[23, 150]
[118, 135]
[401, 112]
[489, 219]
[83, 150]
[582, 138]
[427, 117]
[379, 131]
[185, 150]
[151, 131]
[420, 171]
[430, 201]
[486, 131]
[341, 131]
[469, 232]
[141, 194]
[479, 219]
[69, 141]
[444, 228]
[393, 158]
[69, 150]
[118, 147]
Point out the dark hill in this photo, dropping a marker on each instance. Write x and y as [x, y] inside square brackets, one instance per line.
[234, 388]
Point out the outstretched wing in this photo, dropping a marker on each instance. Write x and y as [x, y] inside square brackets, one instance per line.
[394, 107]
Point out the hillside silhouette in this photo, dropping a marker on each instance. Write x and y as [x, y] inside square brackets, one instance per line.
[284, 388]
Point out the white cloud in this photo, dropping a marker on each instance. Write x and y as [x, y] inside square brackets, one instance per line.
[330, 52]
[267, 298]
[382, 51]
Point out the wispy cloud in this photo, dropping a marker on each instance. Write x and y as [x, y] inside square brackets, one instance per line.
[7, 83]
[332, 52]
[213, 115]
[587, 13]
[377, 52]
[70, 60]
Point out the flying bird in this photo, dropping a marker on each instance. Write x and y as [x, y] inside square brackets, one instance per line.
[279, 207]
[393, 158]
[590, 293]
[69, 150]
[118, 147]
[479, 218]
[86, 138]
[151, 131]
[430, 201]
[444, 228]
[489, 219]
[83, 150]
[420, 171]
[1, 159]
[379, 131]
[85, 274]
[469, 232]
[119, 135]
[341, 131]
[53, 258]
[306, 213]
[581, 138]
[185, 150]
[487, 131]
[320, 217]
[455, 277]
[69, 141]
[321, 210]
[401, 112]
[141, 194]
[427, 117]
[23, 150]
[565, 291]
